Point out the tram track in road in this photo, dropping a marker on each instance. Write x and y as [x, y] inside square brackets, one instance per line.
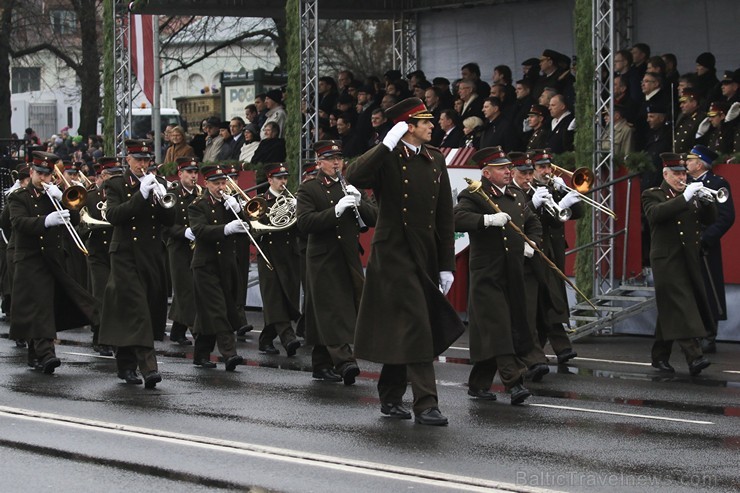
[415, 476]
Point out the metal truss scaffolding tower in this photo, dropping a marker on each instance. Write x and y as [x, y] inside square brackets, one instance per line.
[121, 72]
[606, 33]
[309, 76]
[405, 47]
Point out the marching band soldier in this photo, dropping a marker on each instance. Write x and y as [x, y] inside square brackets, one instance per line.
[243, 262]
[180, 239]
[699, 168]
[280, 288]
[552, 300]
[98, 238]
[676, 217]
[135, 302]
[24, 177]
[215, 274]
[308, 173]
[498, 314]
[404, 320]
[522, 175]
[54, 301]
[334, 274]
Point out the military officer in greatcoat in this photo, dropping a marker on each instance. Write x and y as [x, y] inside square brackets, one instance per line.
[405, 321]
[522, 175]
[552, 300]
[538, 121]
[498, 314]
[98, 238]
[699, 168]
[180, 239]
[243, 262]
[215, 274]
[676, 218]
[21, 182]
[280, 287]
[334, 274]
[135, 300]
[688, 121]
[48, 300]
[308, 173]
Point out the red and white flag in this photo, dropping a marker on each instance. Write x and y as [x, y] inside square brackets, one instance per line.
[142, 52]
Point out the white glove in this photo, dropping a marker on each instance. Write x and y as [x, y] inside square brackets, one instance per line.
[231, 203]
[234, 226]
[703, 127]
[15, 187]
[344, 203]
[147, 184]
[691, 190]
[733, 112]
[558, 183]
[395, 134]
[525, 126]
[541, 194]
[446, 278]
[571, 198]
[189, 234]
[53, 191]
[528, 250]
[56, 218]
[352, 190]
[498, 219]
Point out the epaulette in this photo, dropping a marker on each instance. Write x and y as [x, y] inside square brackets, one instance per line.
[653, 189]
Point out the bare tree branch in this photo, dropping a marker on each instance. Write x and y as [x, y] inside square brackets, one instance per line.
[62, 55]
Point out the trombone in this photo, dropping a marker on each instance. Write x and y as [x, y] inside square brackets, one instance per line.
[706, 194]
[234, 188]
[74, 196]
[581, 179]
[70, 229]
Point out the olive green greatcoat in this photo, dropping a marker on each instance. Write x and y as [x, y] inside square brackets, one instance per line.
[552, 297]
[675, 229]
[97, 242]
[7, 252]
[215, 275]
[403, 317]
[334, 275]
[135, 303]
[180, 256]
[280, 288]
[45, 298]
[497, 299]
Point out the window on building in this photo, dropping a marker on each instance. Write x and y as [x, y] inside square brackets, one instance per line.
[63, 21]
[25, 79]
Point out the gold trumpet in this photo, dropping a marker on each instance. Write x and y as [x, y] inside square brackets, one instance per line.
[582, 179]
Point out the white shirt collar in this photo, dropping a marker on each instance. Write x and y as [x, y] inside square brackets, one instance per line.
[555, 121]
[413, 148]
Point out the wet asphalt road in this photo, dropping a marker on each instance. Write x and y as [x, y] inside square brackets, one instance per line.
[605, 422]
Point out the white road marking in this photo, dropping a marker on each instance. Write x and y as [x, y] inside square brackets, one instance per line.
[421, 476]
[731, 371]
[630, 415]
[88, 355]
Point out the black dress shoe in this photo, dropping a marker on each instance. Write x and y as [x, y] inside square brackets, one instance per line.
[349, 373]
[20, 343]
[204, 363]
[431, 417]
[103, 350]
[483, 395]
[233, 362]
[244, 329]
[183, 341]
[536, 372]
[663, 366]
[696, 366]
[268, 349]
[566, 355]
[51, 364]
[130, 377]
[327, 375]
[292, 347]
[519, 394]
[397, 411]
[152, 379]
